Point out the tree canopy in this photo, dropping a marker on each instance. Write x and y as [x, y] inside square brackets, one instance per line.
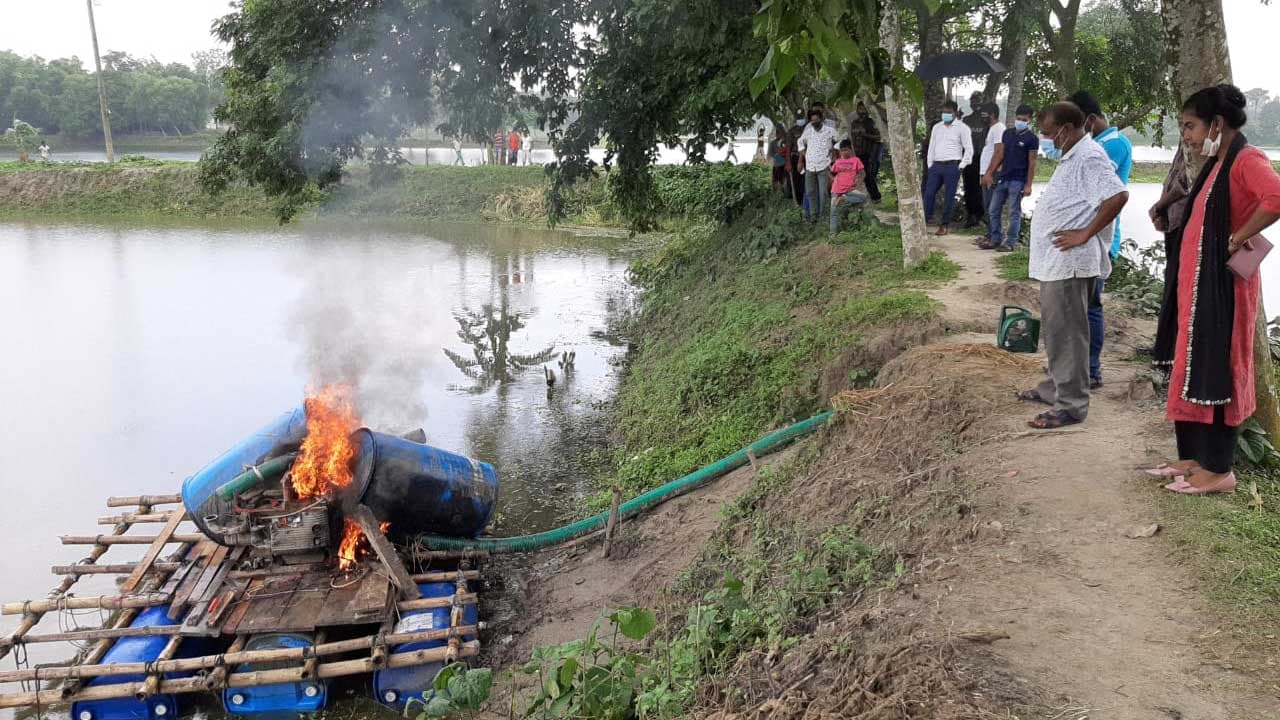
[60, 96]
[315, 84]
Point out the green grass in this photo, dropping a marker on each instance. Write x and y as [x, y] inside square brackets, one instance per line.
[1013, 266]
[1235, 543]
[739, 324]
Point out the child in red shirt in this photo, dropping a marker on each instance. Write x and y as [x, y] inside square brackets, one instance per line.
[846, 174]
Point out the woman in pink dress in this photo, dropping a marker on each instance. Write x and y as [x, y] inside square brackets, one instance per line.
[1206, 328]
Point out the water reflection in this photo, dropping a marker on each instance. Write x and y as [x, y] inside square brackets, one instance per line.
[488, 333]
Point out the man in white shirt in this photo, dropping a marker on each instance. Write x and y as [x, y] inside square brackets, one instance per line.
[1070, 244]
[817, 148]
[990, 114]
[950, 152]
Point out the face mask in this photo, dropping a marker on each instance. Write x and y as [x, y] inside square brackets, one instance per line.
[799, 122]
[948, 117]
[1211, 145]
[1050, 150]
[1019, 125]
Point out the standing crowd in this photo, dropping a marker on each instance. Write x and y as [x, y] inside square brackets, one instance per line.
[828, 171]
[1211, 224]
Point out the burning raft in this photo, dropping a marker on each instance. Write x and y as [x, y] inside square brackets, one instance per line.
[293, 578]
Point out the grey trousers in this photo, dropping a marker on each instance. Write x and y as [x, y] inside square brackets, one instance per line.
[1064, 325]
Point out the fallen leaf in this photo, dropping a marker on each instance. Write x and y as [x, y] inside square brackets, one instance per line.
[1256, 502]
[1143, 531]
[986, 637]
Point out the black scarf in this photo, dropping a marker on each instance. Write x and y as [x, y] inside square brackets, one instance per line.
[1208, 379]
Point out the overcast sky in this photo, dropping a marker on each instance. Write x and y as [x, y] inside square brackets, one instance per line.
[171, 30]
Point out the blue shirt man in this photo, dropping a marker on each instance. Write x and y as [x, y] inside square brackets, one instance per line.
[1120, 150]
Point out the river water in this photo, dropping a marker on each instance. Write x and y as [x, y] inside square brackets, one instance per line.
[1135, 225]
[136, 354]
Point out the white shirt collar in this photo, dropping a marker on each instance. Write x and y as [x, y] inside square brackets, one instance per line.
[1067, 155]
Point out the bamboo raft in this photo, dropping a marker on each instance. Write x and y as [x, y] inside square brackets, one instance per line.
[211, 594]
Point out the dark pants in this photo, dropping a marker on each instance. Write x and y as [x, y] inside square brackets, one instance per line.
[1097, 330]
[944, 174]
[1212, 445]
[973, 194]
[872, 164]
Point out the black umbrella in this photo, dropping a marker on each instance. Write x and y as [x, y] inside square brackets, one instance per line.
[959, 64]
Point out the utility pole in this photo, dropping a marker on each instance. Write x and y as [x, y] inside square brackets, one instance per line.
[102, 91]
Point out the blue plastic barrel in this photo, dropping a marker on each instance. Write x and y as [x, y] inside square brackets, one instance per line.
[140, 650]
[420, 489]
[282, 435]
[393, 687]
[278, 699]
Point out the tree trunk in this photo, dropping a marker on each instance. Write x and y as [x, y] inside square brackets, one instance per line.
[1062, 41]
[915, 244]
[931, 45]
[1196, 41]
[1196, 49]
[1017, 78]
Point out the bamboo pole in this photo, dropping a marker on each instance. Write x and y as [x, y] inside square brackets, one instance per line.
[236, 656]
[436, 602]
[217, 678]
[98, 551]
[143, 500]
[309, 665]
[119, 569]
[90, 635]
[445, 576]
[104, 602]
[247, 679]
[611, 525]
[152, 683]
[452, 554]
[134, 518]
[127, 539]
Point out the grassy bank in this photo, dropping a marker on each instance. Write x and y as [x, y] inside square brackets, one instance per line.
[754, 324]
[137, 187]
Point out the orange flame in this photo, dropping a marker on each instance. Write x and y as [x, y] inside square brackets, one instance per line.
[354, 545]
[324, 461]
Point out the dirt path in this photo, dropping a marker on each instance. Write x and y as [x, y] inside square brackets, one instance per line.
[1112, 627]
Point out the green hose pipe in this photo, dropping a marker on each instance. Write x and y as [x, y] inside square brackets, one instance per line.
[522, 543]
[272, 469]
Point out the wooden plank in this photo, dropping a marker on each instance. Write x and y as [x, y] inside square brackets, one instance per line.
[269, 605]
[335, 607]
[204, 554]
[175, 518]
[386, 552]
[373, 601]
[216, 566]
[237, 613]
[308, 602]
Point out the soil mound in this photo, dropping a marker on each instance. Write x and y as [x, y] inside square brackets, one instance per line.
[889, 470]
